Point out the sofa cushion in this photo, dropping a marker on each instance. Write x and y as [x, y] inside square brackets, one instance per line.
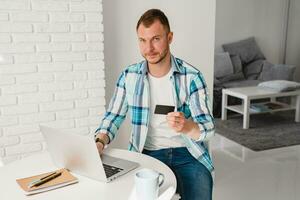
[223, 66]
[231, 77]
[253, 69]
[252, 77]
[247, 49]
[280, 85]
[276, 72]
[217, 82]
[241, 83]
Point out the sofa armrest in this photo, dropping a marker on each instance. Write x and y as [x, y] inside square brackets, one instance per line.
[217, 82]
[277, 72]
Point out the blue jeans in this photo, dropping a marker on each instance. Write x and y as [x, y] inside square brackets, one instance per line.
[194, 181]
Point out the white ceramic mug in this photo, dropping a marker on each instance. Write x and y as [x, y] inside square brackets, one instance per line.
[147, 183]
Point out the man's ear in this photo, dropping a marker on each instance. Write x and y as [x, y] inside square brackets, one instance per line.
[170, 37]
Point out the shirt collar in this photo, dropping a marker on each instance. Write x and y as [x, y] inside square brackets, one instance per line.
[174, 66]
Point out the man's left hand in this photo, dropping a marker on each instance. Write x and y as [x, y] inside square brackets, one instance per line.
[178, 122]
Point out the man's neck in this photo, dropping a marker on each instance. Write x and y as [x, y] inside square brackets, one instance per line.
[162, 68]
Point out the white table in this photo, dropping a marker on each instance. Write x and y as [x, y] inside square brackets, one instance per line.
[250, 93]
[86, 188]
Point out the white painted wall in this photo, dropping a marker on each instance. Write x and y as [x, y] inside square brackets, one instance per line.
[293, 42]
[191, 21]
[51, 71]
[263, 19]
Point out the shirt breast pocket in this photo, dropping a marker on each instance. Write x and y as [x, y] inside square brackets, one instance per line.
[134, 99]
[130, 97]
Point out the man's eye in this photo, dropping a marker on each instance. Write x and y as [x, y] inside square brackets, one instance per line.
[157, 39]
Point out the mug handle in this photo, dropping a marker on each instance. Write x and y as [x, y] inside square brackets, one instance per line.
[161, 179]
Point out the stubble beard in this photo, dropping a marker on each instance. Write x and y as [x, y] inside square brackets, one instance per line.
[162, 56]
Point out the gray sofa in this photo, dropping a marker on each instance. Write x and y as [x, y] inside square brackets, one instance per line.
[243, 64]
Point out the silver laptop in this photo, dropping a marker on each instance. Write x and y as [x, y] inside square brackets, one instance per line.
[79, 154]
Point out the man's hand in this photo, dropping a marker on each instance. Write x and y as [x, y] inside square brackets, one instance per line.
[100, 147]
[103, 141]
[178, 122]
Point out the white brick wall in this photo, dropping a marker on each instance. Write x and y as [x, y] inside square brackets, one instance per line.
[51, 71]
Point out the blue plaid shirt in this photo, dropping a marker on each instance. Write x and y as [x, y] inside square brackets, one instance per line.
[190, 97]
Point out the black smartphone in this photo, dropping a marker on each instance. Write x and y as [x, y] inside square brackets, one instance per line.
[163, 109]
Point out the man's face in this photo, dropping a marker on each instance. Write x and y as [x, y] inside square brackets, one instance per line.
[154, 42]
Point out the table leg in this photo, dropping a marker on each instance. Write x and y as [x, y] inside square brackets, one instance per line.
[297, 114]
[224, 104]
[246, 114]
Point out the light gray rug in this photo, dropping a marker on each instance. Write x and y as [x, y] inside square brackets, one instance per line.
[267, 131]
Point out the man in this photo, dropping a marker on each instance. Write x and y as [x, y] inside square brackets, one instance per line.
[177, 139]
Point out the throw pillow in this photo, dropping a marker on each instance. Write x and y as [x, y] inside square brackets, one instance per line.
[247, 49]
[252, 70]
[237, 67]
[280, 85]
[223, 66]
[276, 72]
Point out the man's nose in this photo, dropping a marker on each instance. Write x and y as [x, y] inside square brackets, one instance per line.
[149, 46]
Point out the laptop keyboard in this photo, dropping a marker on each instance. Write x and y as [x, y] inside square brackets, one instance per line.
[111, 170]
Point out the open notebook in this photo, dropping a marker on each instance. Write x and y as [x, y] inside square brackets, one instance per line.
[66, 178]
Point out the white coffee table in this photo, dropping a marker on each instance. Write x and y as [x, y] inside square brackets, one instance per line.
[250, 93]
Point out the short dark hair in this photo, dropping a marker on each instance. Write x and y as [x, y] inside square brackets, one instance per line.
[150, 16]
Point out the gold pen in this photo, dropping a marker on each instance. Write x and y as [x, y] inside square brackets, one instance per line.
[45, 179]
[37, 180]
